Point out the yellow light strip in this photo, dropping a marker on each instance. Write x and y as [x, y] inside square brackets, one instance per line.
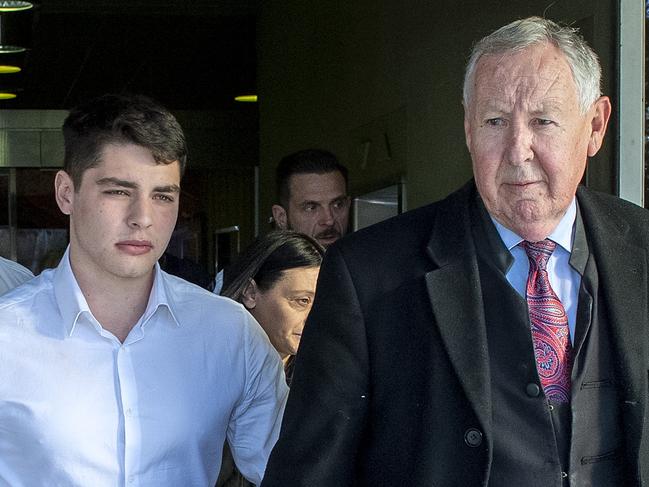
[246, 98]
[5, 69]
[7, 96]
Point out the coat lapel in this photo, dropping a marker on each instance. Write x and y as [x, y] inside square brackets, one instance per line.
[622, 268]
[456, 301]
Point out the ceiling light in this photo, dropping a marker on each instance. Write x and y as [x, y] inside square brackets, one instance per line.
[246, 98]
[7, 96]
[9, 6]
[5, 69]
[11, 49]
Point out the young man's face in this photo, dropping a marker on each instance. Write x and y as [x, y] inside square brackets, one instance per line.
[318, 206]
[122, 215]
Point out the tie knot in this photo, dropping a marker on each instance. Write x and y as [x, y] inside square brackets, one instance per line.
[539, 252]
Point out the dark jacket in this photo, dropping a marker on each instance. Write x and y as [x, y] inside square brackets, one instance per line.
[392, 381]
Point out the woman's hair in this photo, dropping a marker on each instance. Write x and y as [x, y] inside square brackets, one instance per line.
[266, 259]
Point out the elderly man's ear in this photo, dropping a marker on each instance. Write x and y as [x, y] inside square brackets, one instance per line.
[280, 217]
[601, 111]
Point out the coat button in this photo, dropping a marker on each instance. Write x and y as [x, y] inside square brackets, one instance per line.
[473, 437]
[532, 389]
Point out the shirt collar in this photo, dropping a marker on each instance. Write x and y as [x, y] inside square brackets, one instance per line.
[72, 303]
[562, 234]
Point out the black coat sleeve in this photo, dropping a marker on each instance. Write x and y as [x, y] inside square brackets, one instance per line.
[325, 418]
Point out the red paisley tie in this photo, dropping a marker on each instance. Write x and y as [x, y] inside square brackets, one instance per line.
[550, 332]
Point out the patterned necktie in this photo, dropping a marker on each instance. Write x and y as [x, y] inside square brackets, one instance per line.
[550, 332]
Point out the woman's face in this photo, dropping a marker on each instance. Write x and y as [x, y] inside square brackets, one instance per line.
[282, 310]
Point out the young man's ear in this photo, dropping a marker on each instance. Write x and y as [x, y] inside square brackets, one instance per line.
[249, 296]
[280, 217]
[64, 192]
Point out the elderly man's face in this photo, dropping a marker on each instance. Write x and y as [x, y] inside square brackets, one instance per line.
[528, 139]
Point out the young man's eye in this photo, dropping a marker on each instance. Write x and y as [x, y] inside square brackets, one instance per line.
[165, 197]
[116, 192]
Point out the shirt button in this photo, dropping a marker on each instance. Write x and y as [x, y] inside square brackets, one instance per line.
[131, 479]
[532, 389]
[473, 437]
[128, 412]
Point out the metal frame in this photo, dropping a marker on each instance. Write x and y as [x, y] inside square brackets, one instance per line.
[631, 169]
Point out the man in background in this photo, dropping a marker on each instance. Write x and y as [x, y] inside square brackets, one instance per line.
[313, 199]
[499, 337]
[113, 371]
[312, 192]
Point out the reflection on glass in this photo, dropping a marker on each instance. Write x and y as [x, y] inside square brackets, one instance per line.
[41, 229]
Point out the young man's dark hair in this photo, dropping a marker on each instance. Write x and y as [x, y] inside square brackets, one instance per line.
[120, 119]
[309, 161]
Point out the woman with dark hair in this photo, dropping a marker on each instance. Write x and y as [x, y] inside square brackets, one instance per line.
[275, 279]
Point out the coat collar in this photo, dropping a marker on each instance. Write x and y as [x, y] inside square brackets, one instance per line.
[622, 270]
[456, 299]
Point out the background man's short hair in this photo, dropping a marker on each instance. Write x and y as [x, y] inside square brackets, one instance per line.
[309, 161]
[120, 119]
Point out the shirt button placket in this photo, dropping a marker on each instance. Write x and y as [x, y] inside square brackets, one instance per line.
[128, 398]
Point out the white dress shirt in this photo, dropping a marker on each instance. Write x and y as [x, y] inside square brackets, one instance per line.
[12, 275]
[79, 408]
[565, 280]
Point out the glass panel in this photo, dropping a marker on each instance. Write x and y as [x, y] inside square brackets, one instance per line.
[42, 234]
[377, 206]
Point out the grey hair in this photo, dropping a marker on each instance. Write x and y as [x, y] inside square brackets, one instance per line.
[521, 34]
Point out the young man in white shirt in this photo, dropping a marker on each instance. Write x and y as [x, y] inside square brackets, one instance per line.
[115, 373]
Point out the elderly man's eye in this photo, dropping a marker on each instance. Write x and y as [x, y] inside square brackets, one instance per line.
[495, 122]
[543, 121]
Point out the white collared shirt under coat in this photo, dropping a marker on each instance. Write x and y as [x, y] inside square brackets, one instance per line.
[79, 408]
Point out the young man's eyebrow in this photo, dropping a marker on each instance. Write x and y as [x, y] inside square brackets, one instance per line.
[171, 188]
[116, 182]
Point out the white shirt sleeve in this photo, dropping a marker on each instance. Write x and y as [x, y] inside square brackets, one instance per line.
[256, 419]
[12, 275]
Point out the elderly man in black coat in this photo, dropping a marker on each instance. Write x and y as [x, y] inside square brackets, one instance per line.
[498, 337]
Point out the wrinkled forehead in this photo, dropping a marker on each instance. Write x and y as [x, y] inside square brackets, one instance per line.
[538, 75]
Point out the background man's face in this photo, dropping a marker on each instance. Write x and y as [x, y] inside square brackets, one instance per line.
[528, 139]
[318, 206]
[122, 215]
